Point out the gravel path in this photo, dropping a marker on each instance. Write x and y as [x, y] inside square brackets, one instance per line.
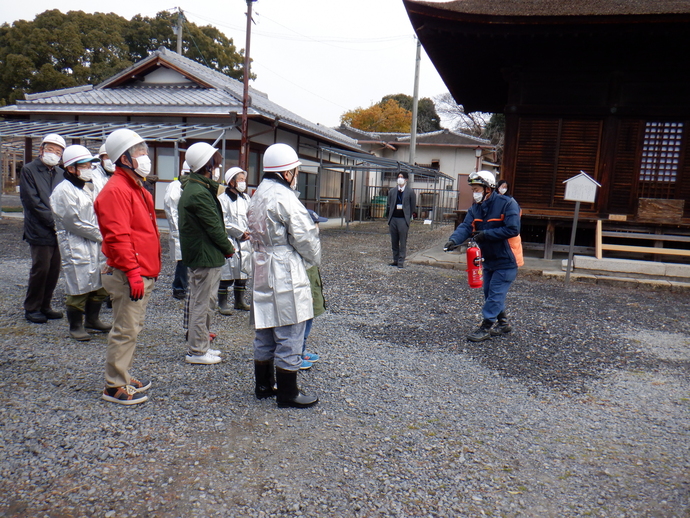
[583, 411]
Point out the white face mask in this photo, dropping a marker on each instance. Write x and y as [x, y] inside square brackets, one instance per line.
[241, 186]
[108, 165]
[503, 190]
[293, 184]
[478, 196]
[401, 182]
[86, 174]
[50, 159]
[216, 174]
[144, 167]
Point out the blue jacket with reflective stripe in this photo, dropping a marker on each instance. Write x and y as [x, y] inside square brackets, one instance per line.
[499, 218]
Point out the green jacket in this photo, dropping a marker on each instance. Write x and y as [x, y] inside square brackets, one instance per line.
[316, 290]
[203, 240]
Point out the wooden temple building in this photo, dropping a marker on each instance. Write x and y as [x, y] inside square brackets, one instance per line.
[597, 86]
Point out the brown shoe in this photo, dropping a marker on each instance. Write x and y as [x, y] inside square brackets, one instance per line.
[140, 386]
[126, 395]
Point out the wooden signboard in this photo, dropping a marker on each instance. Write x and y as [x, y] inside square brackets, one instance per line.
[656, 210]
[581, 188]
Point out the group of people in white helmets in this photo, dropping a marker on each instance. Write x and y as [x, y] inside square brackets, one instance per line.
[94, 219]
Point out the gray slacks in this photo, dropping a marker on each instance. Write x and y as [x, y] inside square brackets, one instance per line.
[398, 228]
[282, 344]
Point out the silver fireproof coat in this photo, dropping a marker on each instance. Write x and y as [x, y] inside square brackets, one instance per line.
[284, 239]
[235, 217]
[78, 237]
[170, 201]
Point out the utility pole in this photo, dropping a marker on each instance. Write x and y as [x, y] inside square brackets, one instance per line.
[244, 142]
[415, 101]
[180, 21]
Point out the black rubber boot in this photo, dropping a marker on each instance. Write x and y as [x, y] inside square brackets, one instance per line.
[288, 392]
[92, 321]
[75, 318]
[482, 332]
[502, 326]
[223, 307]
[264, 374]
[239, 299]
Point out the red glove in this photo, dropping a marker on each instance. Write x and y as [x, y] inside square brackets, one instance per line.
[136, 284]
[229, 256]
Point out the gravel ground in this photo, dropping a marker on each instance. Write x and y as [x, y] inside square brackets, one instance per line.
[583, 411]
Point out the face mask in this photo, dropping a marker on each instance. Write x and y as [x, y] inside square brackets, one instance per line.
[503, 190]
[478, 196]
[293, 184]
[86, 174]
[108, 165]
[241, 186]
[216, 174]
[144, 168]
[50, 159]
[401, 181]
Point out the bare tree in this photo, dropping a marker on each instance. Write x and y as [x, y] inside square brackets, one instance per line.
[490, 126]
[472, 123]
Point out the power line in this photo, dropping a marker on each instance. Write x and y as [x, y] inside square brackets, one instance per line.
[301, 87]
[302, 37]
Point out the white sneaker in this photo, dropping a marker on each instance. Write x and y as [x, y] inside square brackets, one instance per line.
[205, 359]
[214, 352]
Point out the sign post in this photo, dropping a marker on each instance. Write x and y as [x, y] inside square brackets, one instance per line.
[580, 188]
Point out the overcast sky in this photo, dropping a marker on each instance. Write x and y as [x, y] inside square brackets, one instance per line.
[317, 58]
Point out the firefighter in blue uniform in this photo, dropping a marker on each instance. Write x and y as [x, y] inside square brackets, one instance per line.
[494, 222]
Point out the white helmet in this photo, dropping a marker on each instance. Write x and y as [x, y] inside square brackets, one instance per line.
[120, 141]
[198, 155]
[77, 154]
[54, 138]
[485, 178]
[232, 172]
[102, 151]
[185, 168]
[280, 157]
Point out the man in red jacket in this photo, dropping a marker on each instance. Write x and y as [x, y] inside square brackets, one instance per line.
[131, 245]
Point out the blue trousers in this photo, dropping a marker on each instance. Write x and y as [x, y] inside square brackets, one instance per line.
[283, 345]
[180, 281]
[307, 330]
[496, 286]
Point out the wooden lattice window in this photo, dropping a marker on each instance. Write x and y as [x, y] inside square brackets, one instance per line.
[660, 154]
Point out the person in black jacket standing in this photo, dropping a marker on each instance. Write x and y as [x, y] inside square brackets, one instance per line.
[38, 179]
[402, 202]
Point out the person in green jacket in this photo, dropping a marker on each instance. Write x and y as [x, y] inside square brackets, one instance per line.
[205, 246]
[319, 302]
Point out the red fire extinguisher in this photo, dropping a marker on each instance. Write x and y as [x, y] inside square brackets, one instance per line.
[474, 265]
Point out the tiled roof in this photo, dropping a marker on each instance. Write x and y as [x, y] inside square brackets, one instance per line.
[222, 96]
[446, 136]
[443, 136]
[561, 7]
[136, 96]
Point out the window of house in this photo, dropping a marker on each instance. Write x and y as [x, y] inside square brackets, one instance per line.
[166, 167]
[661, 151]
[306, 185]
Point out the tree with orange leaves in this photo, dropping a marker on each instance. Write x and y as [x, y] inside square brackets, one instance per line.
[384, 117]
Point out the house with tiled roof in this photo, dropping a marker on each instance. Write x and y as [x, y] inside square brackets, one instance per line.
[173, 101]
[452, 153]
[599, 86]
